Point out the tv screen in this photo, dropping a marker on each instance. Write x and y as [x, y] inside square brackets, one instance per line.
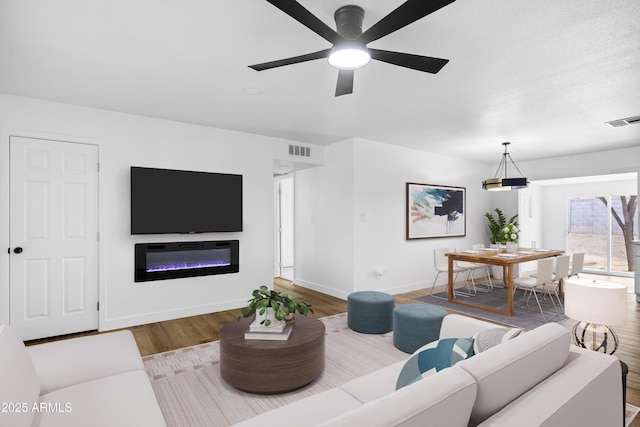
[174, 201]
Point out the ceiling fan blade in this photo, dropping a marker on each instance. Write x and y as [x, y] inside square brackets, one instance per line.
[345, 82]
[408, 60]
[293, 60]
[306, 18]
[405, 14]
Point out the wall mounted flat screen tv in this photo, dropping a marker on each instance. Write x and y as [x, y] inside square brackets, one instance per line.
[174, 201]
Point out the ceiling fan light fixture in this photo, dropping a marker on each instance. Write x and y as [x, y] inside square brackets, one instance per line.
[349, 56]
[499, 183]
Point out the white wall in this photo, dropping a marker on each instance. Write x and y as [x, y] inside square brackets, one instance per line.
[551, 200]
[590, 164]
[361, 191]
[547, 198]
[531, 201]
[581, 165]
[556, 196]
[353, 208]
[324, 206]
[126, 140]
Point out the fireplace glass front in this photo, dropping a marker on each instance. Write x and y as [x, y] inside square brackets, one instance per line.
[158, 261]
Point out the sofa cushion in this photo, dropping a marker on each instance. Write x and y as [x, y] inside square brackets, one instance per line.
[63, 363]
[374, 385]
[126, 399]
[434, 357]
[588, 379]
[444, 399]
[505, 372]
[19, 387]
[484, 340]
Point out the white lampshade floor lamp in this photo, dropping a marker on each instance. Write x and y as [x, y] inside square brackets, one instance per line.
[597, 305]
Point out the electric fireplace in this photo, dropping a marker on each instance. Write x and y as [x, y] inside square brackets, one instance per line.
[159, 261]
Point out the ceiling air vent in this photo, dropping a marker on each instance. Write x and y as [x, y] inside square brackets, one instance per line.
[623, 122]
[299, 150]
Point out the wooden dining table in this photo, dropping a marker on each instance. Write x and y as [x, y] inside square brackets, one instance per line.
[492, 257]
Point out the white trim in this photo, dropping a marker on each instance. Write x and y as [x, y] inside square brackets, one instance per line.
[160, 316]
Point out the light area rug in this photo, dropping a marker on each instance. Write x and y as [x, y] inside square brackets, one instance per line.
[630, 414]
[191, 392]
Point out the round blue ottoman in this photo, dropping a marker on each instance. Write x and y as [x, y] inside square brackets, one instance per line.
[415, 325]
[370, 312]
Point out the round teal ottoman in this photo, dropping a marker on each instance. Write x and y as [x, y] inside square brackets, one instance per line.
[370, 312]
[415, 325]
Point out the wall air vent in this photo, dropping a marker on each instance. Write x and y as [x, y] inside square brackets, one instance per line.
[624, 122]
[299, 150]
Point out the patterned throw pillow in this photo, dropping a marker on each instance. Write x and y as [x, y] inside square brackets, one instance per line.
[486, 339]
[434, 357]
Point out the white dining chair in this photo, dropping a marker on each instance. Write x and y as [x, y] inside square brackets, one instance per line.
[471, 267]
[441, 264]
[540, 283]
[577, 264]
[559, 276]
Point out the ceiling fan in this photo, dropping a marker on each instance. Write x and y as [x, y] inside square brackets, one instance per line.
[349, 50]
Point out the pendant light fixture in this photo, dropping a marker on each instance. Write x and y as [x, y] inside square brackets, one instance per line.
[501, 182]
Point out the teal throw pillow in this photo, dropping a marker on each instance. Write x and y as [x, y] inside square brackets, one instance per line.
[434, 357]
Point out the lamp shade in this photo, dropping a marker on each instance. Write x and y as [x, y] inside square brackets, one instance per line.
[596, 302]
[504, 184]
[515, 183]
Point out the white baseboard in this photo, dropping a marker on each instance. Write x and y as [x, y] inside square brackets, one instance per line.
[344, 294]
[320, 288]
[109, 324]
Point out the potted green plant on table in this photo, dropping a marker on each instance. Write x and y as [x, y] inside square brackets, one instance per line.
[497, 226]
[273, 307]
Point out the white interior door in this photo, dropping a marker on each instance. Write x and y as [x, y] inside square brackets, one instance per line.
[54, 237]
[284, 228]
[286, 222]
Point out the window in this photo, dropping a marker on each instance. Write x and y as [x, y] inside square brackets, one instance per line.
[603, 227]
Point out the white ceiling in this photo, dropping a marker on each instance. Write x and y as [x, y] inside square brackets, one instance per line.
[545, 75]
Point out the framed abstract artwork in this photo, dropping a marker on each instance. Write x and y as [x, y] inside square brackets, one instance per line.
[435, 211]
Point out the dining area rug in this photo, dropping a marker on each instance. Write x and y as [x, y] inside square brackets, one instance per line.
[526, 317]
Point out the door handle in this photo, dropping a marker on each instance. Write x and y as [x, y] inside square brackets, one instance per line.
[17, 250]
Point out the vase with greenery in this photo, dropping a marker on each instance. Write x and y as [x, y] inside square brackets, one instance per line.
[498, 224]
[282, 304]
[510, 235]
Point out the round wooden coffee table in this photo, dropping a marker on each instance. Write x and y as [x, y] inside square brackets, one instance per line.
[270, 366]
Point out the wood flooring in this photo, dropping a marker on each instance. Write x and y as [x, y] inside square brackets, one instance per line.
[170, 335]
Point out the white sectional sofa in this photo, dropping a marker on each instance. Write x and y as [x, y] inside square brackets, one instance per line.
[535, 379]
[96, 380]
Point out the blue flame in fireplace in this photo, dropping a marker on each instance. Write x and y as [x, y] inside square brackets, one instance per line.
[187, 266]
[187, 260]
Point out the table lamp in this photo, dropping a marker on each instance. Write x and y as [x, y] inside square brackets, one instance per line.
[596, 305]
